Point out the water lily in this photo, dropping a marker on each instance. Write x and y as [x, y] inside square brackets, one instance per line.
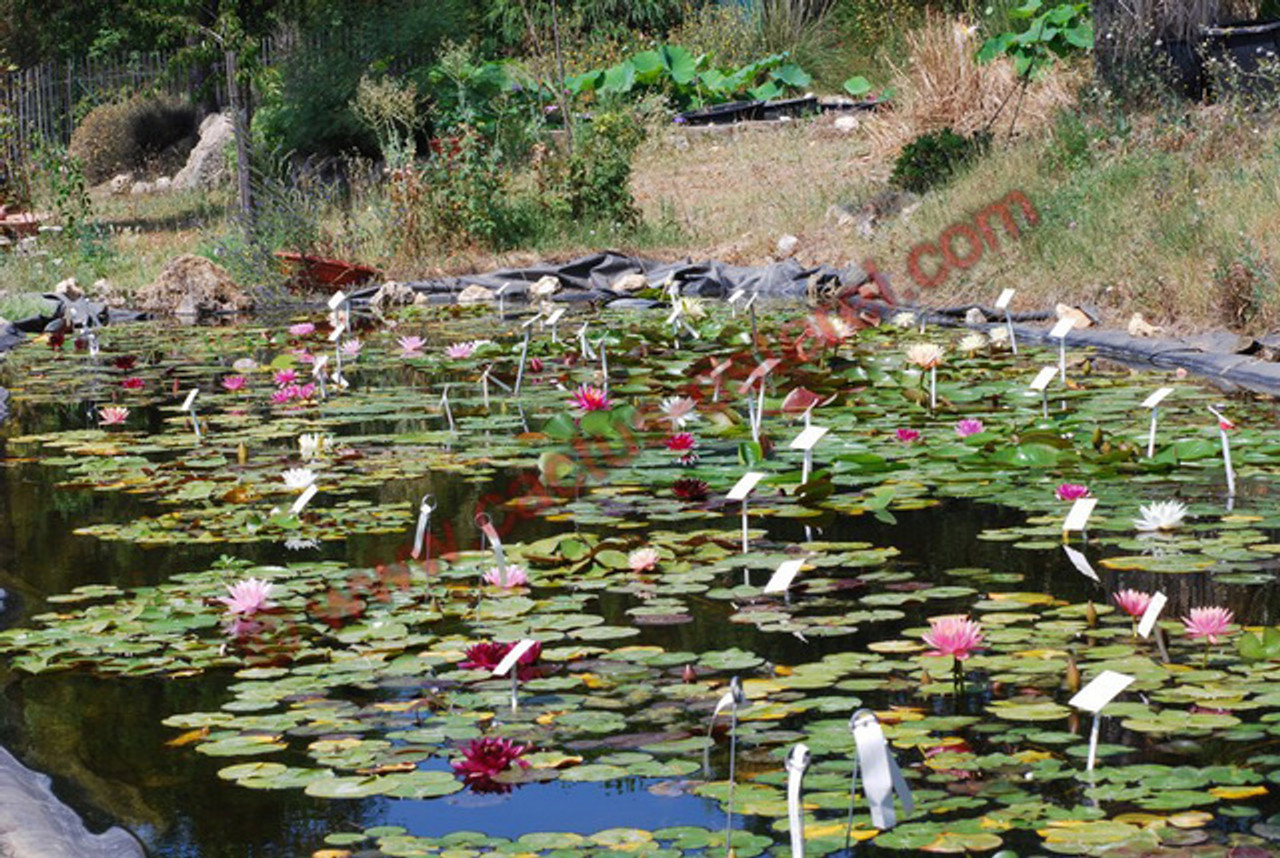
[133, 383]
[690, 489]
[489, 654]
[515, 576]
[691, 308]
[1208, 623]
[956, 636]
[1161, 515]
[643, 559]
[459, 350]
[351, 349]
[682, 444]
[972, 343]
[233, 383]
[904, 320]
[1071, 491]
[483, 759]
[999, 337]
[113, 415]
[411, 347]
[298, 478]
[679, 410]
[968, 426]
[247, 597]
[302, 329]
[588, 397]
[285, 377]
[312, 445]
[1132, 602]
[124, 363]
[925, 355]
[907, 436]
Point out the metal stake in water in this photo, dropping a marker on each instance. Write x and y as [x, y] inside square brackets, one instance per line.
[448, 411]
[933, 388]
[424, 519]
[524, 355]
[583, 345]
[759, 413]
[484, 385]
[189, 406]
[1151, 436]
[797, 763]
[1223, 425]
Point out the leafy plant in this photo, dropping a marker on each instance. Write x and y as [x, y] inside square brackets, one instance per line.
[1057, 31]
[1264, 647]
[931, 159]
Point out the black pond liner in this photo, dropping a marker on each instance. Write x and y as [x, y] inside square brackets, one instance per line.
[1245, 48]
[723, 114]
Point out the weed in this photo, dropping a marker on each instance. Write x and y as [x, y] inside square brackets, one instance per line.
[932, 159]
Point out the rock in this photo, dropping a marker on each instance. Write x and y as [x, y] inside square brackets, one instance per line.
[1140, 327]
[193, 286]
[390, 294]
[974, 316]
[164, 183]
[120, 184]
[1082, 320]
[140, 188]
[628, 283]
[69, 289]
[475, 294]
[845, 124]
[206, 166]
[545, 288]
[840, 215]
[786, 246]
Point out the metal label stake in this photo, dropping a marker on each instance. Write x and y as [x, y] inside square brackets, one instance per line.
[509, 665]
[1223, 425]
[740, 492]
[1002, 303]
[881, 777]
[797, 763]
[1059, 332]
[189, 406]
[1093, 697]
[485, 523]
[1041, 384]
[1153, 402]
[448, 411]
[424, 519]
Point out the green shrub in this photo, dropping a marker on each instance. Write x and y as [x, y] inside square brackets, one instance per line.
[143, 133]
[931, 159]
[599, 175]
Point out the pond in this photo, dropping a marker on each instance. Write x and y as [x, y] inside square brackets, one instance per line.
[342, 699]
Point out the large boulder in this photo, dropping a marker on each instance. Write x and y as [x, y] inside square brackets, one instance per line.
[206, 167]
[193, 286]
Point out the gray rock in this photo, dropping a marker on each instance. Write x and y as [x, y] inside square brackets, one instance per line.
[121, 184]
[974, 316]
[193, 286]
[140, 188]
[787, 246]
[206, 166]
[845, 124]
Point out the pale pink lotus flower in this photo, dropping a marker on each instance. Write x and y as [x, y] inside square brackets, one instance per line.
[282, 395]
[1071, 491]
[588, 397]
[516, 576]
[925, 355]
[459, 350]
[247, 597]
[679, 410]
[304, 356]
[1208, 623]
[411, 347]
[955, 636]
[643, 559]
[969, 426]
[351, 349]
[234, 383]
[908, 436]
[1132, 602]
[302, 329]
[113, 415]
[285, 377]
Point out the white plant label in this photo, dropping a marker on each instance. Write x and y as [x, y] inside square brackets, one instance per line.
[531, 320]
[337, 299]
[786, 573]
[555, 316]
[1101, 691]
[881, 777]
[1081, 563]
[1157, 397]
[1041, 382]
[190, 400]
[317, 368]
[809, 438]
[1151, 614]
[751, 302]
[513, 656]
[1064, 326]
[1002, 303]
[797, 762]
[744, 486]
[303, 499]
[420, 535]
[337, 332]
[1078, 517]
[736, 296]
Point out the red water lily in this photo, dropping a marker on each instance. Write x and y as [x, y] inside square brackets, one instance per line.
[483, 759]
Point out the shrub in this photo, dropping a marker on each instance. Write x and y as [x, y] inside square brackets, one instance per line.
[599, 176]
[144, 132]
[931, 159]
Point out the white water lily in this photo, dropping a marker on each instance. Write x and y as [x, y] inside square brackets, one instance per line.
[999, 337]
[904, 320]
[691, 308]
[298, 478]
[312, 445]
[925, 355]
[974, 342]
[299, 544]
[679, 410]
[1161, 515]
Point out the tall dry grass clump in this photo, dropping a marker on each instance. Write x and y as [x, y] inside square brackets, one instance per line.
[942, 85]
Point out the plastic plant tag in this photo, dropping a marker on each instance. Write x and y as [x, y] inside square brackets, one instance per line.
[1078, 517]
[781, 579]
[303, 499]
[1062, 328]
[751, 302]
[337, 332]
[1157, 397]
[736, 295]
[759, 373]
[1223, 426]
[676, 310]
[1002, 303]
[1100, 691]
[513, 656]
[1041, 382]
[1081, 563]
[317, 368]
[556, 316]
[420, 535]
[881, 777]
[495, 542]
[190, 400]
[1151, 614]
[531, 321]
[337, 299]
[809, 437]
[744, 486]
[797, 762]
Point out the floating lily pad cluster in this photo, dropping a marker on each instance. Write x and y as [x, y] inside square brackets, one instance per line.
[350, 683]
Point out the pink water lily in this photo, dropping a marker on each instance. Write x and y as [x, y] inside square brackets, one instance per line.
[969, 426]
[1209, 623]
[956, 636]
[588, 397]
[247, 597]
[516, 576]
[643, 559]
[302, 329]
[459, 350]
[113, 415]
[351, 349]
[285, 377]
[234, 383]
[679, 410]
[133, 383]
[411, 347]
[1071, 491]
[1132, 602]
[682, 444]
[907, 436]
[483, 759]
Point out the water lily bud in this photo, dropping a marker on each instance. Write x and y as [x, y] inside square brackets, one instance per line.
[689, 674]
[1091, 615]
[1073, 674]
[242, 454]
